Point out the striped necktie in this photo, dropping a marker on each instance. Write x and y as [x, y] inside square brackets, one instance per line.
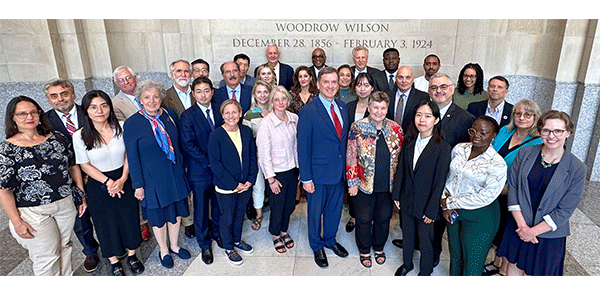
[70, 126]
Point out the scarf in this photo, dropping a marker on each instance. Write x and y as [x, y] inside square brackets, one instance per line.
[160, 134]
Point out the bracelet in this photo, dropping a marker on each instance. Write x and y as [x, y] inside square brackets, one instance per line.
[272, 182]
[107, 179]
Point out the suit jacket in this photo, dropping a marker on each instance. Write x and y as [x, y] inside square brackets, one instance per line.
[250, 81]
[57, 124]
[314, 71]
[414, 98]
[455, 124]
[244, 97]
[194, 132]
[123, 106]
[351, 106]
[285, 77]
[370, 70]
[225, 163]
[321, 153]
[561, 197]
[419, 190]
[382, 83]
[478, 108]
[173, 102]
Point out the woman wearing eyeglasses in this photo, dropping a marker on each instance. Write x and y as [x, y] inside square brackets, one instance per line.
[476, 178]
[544, 188]
[470, 86]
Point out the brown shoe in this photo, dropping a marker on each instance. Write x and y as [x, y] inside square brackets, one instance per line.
[146, 233]
[91, 262]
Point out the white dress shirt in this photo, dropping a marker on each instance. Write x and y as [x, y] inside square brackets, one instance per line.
[420, 145]
[73, 118]
[106, 157]
[497, 115]
[184, 97]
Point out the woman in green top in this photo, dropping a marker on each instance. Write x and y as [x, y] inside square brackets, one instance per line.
[470, 86]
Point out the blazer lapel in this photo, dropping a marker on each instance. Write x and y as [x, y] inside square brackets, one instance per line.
[325, 115]
[557, 179]
[428, 150]
[528, 164]
[410, 153]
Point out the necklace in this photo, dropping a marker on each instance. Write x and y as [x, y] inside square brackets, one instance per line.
[545, 164]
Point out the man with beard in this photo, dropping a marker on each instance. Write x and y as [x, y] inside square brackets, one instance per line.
[178, 96]
[431, 65]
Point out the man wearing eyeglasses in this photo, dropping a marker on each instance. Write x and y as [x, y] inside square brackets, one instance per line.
[125, 103]
[318, 60]
[495, 107]
[200, 68]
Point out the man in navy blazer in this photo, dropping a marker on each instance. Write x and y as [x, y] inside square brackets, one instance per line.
[196, 125]
[360, 56]
[412, 97]
[322, 134]
[495, 107]
[284, 72]
[233, 88]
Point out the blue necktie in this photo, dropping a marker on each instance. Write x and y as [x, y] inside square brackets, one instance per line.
[210, 121]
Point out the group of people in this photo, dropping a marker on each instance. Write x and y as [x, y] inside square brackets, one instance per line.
[492, 174]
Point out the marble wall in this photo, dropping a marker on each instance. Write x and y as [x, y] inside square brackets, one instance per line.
[552, 61]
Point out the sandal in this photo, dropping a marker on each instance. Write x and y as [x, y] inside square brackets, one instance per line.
[490, 272]
[279, 245]
[289, 243]
[257, 223]
[364, 260]
[378, 256]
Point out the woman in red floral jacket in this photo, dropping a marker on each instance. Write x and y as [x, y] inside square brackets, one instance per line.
[372, 155]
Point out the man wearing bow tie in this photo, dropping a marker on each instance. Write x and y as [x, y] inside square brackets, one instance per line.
[322, 133]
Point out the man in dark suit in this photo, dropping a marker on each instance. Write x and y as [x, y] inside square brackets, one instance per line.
[360, 56]
[196, 124]
[178, 96]
[66, 117]
[200, 68]
[283, 72]
[385, 80]
[233, 89]
[403, 91]
[495, 107]
[322, 133]
[243, 62]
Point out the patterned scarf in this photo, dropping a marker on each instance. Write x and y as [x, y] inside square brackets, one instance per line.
[160, 134]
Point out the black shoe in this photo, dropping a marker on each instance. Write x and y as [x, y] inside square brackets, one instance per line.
[182, 253]
[398, 243]
[136, 266]
[91, 262]
[207, 256]
[350, 226]
[403, 271]
[338, 249]
[321, 258]
[166, 261]
[117, 269]
[219, 242]
[190, 231]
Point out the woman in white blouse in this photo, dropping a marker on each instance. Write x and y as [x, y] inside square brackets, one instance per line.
[476, 178]
[100, 151]
[278, 159]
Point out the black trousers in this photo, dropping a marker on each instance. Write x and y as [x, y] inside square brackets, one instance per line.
[373, 215]
[284, 203]
[414, 229]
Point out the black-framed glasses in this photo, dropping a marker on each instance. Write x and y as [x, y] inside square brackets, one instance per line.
[23, 115]
[556, 132]
[443, 87]
[474, 132]
[318, 56]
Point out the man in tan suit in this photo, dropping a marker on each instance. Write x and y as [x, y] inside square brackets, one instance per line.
[125, 103]
[178, 96]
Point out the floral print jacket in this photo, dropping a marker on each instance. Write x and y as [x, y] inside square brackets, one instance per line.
[361, 150]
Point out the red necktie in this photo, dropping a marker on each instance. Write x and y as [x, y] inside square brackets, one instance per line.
[336, 122]
[70, 126]
[233, 95]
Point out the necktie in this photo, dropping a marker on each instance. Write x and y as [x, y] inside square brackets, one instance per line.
[233, 95]
[336, 122]
[391, 82]
[210, 121]
[399, 109]
[70, 126]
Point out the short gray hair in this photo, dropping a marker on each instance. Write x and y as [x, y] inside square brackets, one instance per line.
[172, 65]
[147, 84]
[120, 69]
[360, 47]
[439, 75]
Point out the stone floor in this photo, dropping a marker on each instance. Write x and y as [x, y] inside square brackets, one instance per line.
[582, 246]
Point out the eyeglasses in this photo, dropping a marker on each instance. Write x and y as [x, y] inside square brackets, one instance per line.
[556, 132]
[525, 114]
[200, 70]
[473, 132]
[318, 56]
[469, 76]
[442, 87]
[128, 78]
[23, 115]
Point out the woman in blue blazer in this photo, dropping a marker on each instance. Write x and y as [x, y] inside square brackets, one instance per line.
[544, 188]
[156, 168]
[232, 158]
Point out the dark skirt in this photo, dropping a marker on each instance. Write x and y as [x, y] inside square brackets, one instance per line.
[116, 220]
[158, 217]
[546, 258]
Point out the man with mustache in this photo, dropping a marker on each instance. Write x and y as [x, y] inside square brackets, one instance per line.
[178, 96]
[233, 89]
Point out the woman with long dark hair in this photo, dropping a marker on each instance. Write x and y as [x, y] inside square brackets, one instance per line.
[420, 178]
[100, 152]
[470, 86]
[304, 89]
